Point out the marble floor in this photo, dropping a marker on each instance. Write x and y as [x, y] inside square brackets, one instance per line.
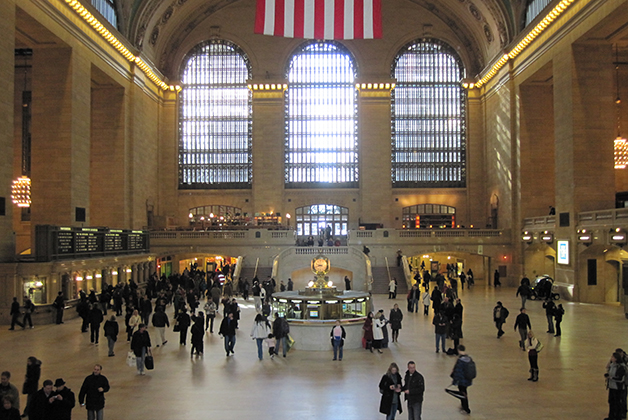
[309, 385]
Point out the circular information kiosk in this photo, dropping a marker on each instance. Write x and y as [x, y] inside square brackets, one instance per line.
[313, 312]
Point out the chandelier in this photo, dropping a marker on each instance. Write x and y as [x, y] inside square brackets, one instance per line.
[620, 145]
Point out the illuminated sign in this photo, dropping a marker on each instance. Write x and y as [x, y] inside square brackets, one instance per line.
[563, 252]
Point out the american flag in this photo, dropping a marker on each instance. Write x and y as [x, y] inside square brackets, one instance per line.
[320, 19]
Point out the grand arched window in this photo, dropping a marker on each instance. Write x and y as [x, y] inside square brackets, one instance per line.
[107, 8]
[321, 118]
[428, 117]
[215, 118]
[318, 219]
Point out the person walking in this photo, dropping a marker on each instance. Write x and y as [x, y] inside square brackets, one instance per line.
[532, 346]
[395, 317]
[496, 281]
[210, 314]
[111, 330]
[523, 291]
[260, 331]
[338, 336]
[413, 389]
[59, 305]
[463, 374]
[522, 322]
[134, 321]
[31, 381]
[549, 307]
[63, 401]
[500, 313]
[140, 344]
[425, 298]
[182, 325]
[160, 322]
[440, 329]
[95, 319]
[29, 308]
[15, 316]
[198, 334]
[392, 286]
[558, 317]
[7, 411]
[390, 387]
[40, 407]
[228, 331]
[92, 394]
[281, 329]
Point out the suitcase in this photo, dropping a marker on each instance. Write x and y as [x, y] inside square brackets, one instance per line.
[149, 362]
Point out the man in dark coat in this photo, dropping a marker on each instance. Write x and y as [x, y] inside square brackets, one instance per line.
[95, 319]
[414, 388]
[437, 298]
[59, 305]
[523, 323]
[92, 394]
[82, 308]
[15, 314]
[140, 344]
[41, 405]
[228, 331]
[63, 401]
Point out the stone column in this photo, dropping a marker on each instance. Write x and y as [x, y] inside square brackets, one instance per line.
[7, 74]
[375, 151]
[584, 134]
[60, 137]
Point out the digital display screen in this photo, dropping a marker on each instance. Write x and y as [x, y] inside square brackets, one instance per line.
[563, 252]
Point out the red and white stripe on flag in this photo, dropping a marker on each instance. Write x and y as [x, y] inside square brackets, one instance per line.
[320, 19]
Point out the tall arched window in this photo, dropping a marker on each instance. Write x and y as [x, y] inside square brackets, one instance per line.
[428, 117]
[215, 118]
[317, 219]
[107, 8]
[321, 118]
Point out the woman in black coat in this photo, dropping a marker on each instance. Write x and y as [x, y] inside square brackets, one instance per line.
[198, 334]
[390, 388]
[395, 318]
[183, 323]
[31, 380]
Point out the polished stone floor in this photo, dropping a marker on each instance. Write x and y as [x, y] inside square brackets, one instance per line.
[309, 385]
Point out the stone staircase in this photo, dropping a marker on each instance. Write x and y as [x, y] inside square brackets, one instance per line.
[380, 280]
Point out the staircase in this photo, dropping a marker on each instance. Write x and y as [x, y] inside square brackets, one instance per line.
[380, 280]
[262, 273]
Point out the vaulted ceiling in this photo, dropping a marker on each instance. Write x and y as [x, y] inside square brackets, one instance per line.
[160, 28]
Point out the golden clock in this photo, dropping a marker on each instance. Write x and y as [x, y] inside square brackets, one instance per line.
[320, 265]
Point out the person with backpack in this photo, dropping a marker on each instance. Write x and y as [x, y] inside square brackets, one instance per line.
[463, 373]
[500, 313]
[281, 329]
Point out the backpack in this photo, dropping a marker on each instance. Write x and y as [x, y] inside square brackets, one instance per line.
[506, 313]
[469, 370]
[285, 328]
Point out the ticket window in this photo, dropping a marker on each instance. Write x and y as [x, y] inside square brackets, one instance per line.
[35, 289]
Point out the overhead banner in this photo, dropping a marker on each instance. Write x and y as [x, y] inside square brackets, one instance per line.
[320, 19]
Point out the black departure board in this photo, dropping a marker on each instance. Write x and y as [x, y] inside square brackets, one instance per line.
[59, 242]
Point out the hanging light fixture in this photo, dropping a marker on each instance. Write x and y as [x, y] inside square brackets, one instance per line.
[21, 191]
[621, 145]
[21, 187]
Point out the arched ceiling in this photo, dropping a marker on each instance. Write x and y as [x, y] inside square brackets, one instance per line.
[159, 28]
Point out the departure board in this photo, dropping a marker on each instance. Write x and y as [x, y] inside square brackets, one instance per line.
[55, 242]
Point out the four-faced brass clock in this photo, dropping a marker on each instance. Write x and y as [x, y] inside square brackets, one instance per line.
[320, 265]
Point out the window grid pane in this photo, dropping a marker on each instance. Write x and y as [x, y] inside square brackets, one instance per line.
[428, 117]
[108, 10]
[321, 118]
[215, 118]
[323, 215]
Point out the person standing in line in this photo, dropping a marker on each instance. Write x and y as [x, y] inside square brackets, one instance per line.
[440, 329]
[15, 315]
[92, 394]
[95, 319]
[558, 317]
[31, 381]
[111, 330]
[533, 356]
[7, 389]
[549, 307]
[338, 336]
[500, 313]
[160, 322]
[59, 305]
[281, 329]
[29, 308]
[523, 323]
[396, 316]
[413, 388]
[462, 375]
[140, 344]
[228, 331]
[260, 331]
[63, 401]
[7, 411]
[390, 388]
[210, 315]
[40, 407]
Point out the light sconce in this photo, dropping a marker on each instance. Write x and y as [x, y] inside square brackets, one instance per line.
[21, 191]
[585, 237]
[527, 237]
[547, 237]
[618, 236]
[375, 86]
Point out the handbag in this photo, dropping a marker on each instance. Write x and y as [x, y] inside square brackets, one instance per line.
[455, 393]
[130, 359]
[289, 342]
[176, 327]
[149, 362]
[539, 347]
